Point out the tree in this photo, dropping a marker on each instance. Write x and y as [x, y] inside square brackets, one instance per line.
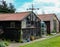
[11, 8]
[1, 8]
[5, 9]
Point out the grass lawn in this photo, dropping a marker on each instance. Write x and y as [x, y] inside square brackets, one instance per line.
[52, 42]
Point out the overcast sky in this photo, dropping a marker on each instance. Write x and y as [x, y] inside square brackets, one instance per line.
[46, 6]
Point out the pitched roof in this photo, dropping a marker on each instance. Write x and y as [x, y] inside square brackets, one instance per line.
[13, 16]
[46, 17]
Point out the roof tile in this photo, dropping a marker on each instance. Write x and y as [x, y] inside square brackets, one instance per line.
[13, 16]
[46, 17]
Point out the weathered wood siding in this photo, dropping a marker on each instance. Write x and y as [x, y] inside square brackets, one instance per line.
[57, 23]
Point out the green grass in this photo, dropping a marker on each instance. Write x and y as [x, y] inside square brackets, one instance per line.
[52, 42]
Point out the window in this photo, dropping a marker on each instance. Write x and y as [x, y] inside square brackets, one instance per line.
[28, 22]
[12, 24]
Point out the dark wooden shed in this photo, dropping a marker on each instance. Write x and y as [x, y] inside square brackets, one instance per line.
[19, 26]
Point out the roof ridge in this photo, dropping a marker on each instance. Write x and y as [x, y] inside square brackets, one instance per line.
[47, 14]
[16, 13]
[24, 12]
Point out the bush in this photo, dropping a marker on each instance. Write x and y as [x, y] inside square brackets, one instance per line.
[54, 31]
[4, 44]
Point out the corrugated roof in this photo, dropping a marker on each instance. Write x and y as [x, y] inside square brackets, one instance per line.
[13, 16]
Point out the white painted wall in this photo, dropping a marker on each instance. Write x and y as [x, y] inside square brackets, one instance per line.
[23, 23]
[51, 24]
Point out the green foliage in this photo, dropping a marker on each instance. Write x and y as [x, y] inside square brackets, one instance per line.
[1, 44]
[11, 8]
[54, 31]
[4, 44]
[4, 8]
[49, 34]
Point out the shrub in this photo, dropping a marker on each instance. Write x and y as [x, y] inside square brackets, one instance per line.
[54, 31]
[4, 44]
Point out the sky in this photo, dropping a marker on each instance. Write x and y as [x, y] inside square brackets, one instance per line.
[46, 6]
